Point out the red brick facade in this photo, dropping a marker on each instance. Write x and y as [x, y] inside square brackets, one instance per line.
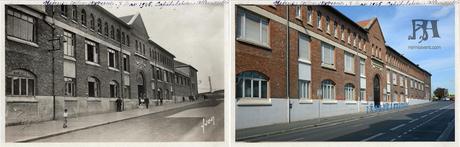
[271, 61]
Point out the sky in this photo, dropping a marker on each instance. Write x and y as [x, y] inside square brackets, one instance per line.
[396, 24]
[194, 34]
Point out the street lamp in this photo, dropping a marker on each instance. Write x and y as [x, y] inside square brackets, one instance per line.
[61, 40]
[319, 93]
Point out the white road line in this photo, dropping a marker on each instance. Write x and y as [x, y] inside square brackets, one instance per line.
[431, 112]
[297, 139]
[424, 116]
[393, 139]
[399, 126]
[372, 137]
[413, 120]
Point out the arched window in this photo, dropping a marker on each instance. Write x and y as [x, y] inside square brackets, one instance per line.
[112, 34]
[93, 87]
[122, 37]
[113, 89]
[20, 82]
[83, 17]
[91, 21]
[328, 90]
[251, 84]
[74, 13]
[349, 92]
[118, 34]
[127, 40]
[106, 29]
[99, 25]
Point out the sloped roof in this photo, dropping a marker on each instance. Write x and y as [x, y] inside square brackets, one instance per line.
[182, 64]
[410, 62]
[366, 24]
[127, 18]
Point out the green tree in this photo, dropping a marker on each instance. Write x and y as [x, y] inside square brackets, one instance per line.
[440, 92]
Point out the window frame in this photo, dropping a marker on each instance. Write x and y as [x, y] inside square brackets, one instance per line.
[245, 15]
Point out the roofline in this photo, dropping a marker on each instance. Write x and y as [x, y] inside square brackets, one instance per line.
[399, 54]
[186, 65]
[161, 48]
[113, 16]
[347, 18]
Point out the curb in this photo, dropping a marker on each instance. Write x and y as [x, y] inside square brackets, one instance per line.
[290, 130]
[88, 127]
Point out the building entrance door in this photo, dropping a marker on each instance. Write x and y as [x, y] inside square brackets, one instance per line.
[376, 85]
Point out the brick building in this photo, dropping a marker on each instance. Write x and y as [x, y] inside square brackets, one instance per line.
[82, 58]
[302, 62]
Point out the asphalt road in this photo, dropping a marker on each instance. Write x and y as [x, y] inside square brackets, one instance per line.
[181, 124]
[416, 124]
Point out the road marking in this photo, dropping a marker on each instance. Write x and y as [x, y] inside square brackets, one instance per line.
[413, 120]
[399, 126]
[372, 137]
[424, 116]
[297, 139]
[431, 112]
[393, 139]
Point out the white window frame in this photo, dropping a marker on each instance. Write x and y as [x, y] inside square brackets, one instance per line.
[96, 86]
[362, 94]
[331, 53]
[298, 12]
[115, 60]
[309, 15]
[362, 67]
[318, 20]
[20, 78]
[252, 80]
[115, 84]
[349, 92]
[263, 23]
[308, 48]
[69, 82]
[304, 89]
[336, 31]
[69, 44]
[95, 51]
[328, 25]
[349, 65]
[328, 90]
[25, 30]
[342, 29]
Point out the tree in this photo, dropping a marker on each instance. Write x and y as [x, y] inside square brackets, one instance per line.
[440, 92]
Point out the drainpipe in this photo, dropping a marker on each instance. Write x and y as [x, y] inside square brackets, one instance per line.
[52, 26]
[287, 65]
[122, 70]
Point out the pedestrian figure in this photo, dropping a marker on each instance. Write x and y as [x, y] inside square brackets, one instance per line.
[147, 103]
[119, 102]
[161, 100]
[141, 102]
[65, 118]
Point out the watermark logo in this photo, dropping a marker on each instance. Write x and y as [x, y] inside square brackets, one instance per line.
[422, 25]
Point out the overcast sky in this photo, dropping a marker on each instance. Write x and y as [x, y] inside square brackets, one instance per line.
[396, 26]
[194, 34]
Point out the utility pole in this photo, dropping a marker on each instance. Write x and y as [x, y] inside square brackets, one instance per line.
[287, 64]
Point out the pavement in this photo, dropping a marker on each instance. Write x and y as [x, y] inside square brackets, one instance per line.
[174, 125]
[424, 122]
[41, 130]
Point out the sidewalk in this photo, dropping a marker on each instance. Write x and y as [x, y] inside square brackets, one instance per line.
[250, 133]
[30, 132]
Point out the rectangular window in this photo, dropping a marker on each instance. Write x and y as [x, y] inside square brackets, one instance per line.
[20, 86]
[298, 12]
[349, 93]
[349, 36]
[401, 81]
[362, 67]
[395, 80]
[335, 30]
[20, 25]
[113, 58]
[318, 20]
[304, 47]
[92, 52]
[342, 31]
[69, 89]
[388, 77]
[328, 26]
[304, 89]
[113, 90]
[327, 54]
[309, 15]
[69, 44]
[362, 94]
[125, 63]
[349, 63]
[252, 27]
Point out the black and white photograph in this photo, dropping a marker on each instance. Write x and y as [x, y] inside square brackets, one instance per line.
[103, 73]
